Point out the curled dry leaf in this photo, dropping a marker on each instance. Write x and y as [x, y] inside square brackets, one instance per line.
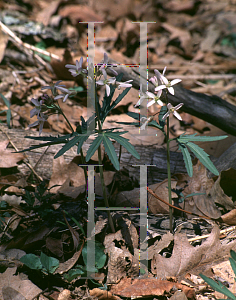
[203, 204]
[148, 287]
[102, 295]
[187, 258]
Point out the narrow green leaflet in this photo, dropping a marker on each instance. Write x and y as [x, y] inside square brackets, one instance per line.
[51, 138]
[95, 144]
[219, 287]
[82, 140]
[68, 145]
[154, 123]
[233, 255]
[124, 142]
[184, 138]
[187, 159]
[203, 157]
[110, 150]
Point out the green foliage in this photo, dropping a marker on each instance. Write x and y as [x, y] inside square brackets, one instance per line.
[8, 104]
[218, 286]
[79, 270]
[185, 142]
[44, 263]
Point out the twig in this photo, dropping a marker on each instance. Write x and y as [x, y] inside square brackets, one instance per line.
[24, 160]
[170, 205]
[28, 46]
[207, 235]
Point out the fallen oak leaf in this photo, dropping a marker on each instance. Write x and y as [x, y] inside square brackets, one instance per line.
[187, 258]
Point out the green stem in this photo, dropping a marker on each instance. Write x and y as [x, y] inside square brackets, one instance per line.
[169, 177]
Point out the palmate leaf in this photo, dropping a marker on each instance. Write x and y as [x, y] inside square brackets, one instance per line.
[110, 150]
[219, 287]
[203, 157]
[94, 147]
[184, 138]
[124, 142]
[82, 140]
[187, 159]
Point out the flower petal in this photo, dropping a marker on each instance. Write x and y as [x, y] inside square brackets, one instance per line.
[171, 90]
[177, 115]
[160, 87]
[178, 106]
[165, 116]
[151, 103]
[175, 81]
[108, 90]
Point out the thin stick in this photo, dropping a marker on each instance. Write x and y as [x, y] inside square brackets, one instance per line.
[207, 235]
[28, 46]
[170, 205]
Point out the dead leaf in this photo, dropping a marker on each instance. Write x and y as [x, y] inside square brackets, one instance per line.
[102, 295]
[187, 258]
[8, 159]
[198, 183]
[148, 287]
[12, 285]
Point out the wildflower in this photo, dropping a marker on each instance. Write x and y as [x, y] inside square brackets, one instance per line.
[154, 81]
[125, 84]
[106, 65]
[166, 84]
[145, 121]
[76, 69]
[172, 109]
[65, 93]
[142, 96]
[53, 88]
[41, 119]
[38, 107]
[106, 82]
[155, 98]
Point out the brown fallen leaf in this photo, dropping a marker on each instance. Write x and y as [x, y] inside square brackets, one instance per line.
[102, 295]
[148, 287]
[187, 258]
[8, 159]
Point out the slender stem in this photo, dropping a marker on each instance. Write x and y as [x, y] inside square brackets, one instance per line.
[169, 176]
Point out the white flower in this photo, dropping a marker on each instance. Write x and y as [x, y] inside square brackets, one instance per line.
[125, 84]
[41, 119]
[154, 80]
[166, 84]
[142, 96]
[155, 98]
[145, 121]
[106, 82]
[76, 69]
[38, 107]
[65, 93]
[172, 110]
[106, 65]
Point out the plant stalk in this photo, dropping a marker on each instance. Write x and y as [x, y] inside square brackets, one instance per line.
[169, 176]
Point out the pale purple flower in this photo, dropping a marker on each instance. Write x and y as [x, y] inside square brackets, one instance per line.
[41, 119]
[125, 84]
[37, 109]
[76, 69]
[172, 110]
[106, 65]
[65, 93]
[53, 88]
[165, 83]
[106, 82]
[155, 98]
